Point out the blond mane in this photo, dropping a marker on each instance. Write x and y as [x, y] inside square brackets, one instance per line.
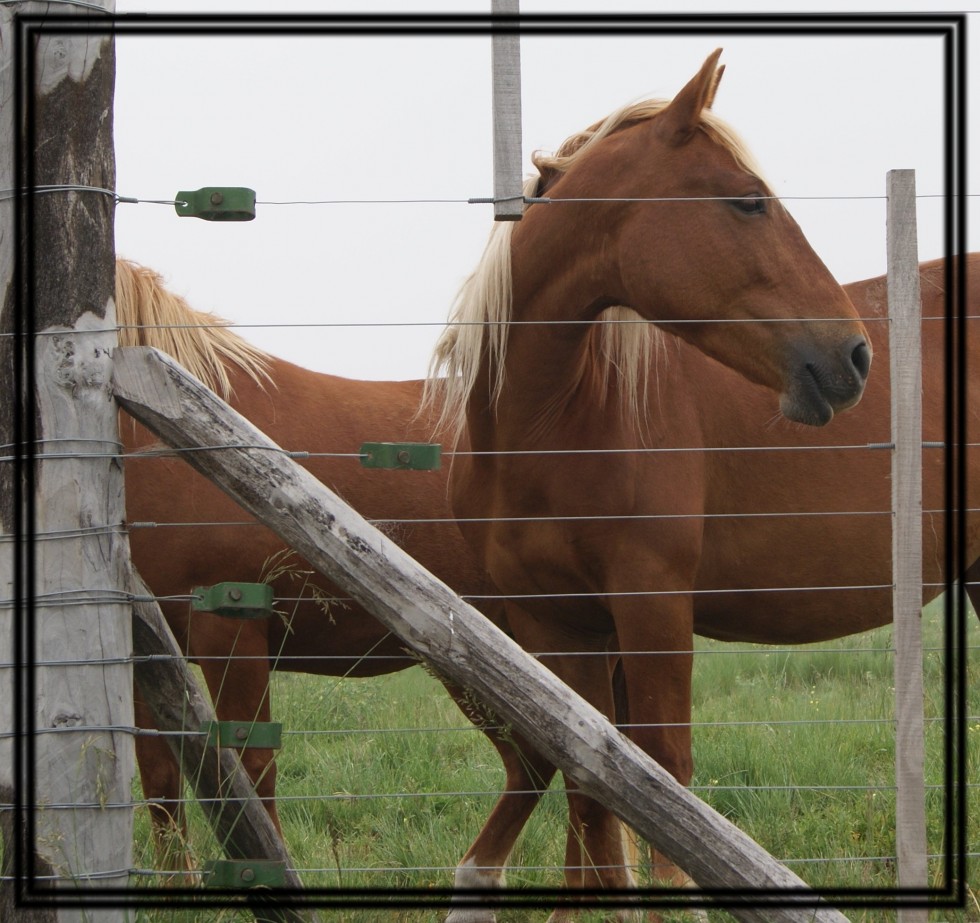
[149, 315]
[622, 347]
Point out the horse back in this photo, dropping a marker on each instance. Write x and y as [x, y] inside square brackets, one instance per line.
[211, 539]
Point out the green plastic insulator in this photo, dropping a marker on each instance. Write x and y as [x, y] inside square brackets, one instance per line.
[217, 203]
[235, 600]
[408, 456]
[242, 734]
[244, 873]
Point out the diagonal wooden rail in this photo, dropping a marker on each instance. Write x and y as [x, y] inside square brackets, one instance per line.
[458, 641]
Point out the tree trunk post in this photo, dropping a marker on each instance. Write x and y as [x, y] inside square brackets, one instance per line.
[65, 618]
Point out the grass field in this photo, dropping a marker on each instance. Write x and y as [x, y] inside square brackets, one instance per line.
[383, 784]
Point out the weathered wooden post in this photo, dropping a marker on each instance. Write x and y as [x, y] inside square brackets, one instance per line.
[905, 349]
[508, 187]
[74, 704]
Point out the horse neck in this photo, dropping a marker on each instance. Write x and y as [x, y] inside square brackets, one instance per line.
[553, 374]
[557, 388]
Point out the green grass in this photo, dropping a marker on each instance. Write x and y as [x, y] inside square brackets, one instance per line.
[796, 748]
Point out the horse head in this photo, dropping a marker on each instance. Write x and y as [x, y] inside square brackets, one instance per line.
[667, 214]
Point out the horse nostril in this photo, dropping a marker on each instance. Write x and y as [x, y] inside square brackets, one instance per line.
[861, 359]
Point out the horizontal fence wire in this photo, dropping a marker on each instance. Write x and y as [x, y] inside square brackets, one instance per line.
[300, 454]
[398, 795]
[449, 869]
[108, 596]
[466, 729]
[411, 660]
[442, 324]
[52, 188]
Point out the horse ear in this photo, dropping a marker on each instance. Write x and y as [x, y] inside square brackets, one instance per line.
[678, 122]
[714, 87]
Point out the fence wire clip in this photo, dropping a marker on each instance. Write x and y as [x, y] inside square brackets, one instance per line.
[234, 600]
[241, 734]
[217, 203]
[406, 456]
[245, 873]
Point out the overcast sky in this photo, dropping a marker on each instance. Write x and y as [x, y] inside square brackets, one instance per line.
[361, 289]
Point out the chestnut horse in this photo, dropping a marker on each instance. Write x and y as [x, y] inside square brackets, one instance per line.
[211, 541]
[786, 546]
[693, 537]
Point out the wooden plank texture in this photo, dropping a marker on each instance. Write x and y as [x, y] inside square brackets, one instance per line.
[452, 636]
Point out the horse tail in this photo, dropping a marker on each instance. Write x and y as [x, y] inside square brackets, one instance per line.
[150, 315]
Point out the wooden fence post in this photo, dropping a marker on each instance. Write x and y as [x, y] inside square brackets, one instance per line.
[905, 349]
[508, 185]
[75, 707]
[8, 513]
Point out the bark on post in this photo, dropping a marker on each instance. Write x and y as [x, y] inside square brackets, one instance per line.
[7, 518]
[77, 817]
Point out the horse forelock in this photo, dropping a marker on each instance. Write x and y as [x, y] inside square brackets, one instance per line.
[623, 349]
[150, 315]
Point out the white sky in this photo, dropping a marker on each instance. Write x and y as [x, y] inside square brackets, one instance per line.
[337, 288]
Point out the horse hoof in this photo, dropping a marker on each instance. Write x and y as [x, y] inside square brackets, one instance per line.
[471, 915]
[620, 916]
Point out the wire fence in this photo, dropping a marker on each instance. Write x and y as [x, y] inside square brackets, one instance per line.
[761, 673]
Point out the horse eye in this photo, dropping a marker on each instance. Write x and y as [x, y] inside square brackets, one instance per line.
[751, 205]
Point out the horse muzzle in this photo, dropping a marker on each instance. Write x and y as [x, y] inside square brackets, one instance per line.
[822, 383]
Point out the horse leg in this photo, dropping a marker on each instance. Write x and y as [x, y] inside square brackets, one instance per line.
[240, 692]
[595, 853]
[653, 696]
[662, 870]
[528, 775]
[160, 778]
